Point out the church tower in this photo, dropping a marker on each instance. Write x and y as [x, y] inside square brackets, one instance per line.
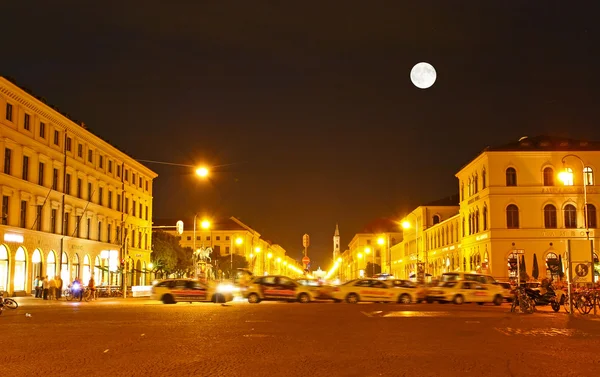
[336, 243]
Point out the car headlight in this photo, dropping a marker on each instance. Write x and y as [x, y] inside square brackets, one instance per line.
[225, 288]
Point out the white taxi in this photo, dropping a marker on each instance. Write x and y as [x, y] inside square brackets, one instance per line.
[371, 290]
[277, 288]
[171, 291]
[459, 292]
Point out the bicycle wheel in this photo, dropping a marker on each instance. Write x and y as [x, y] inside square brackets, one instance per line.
[584, 305]
[10, 303]
[87, 296]
[69, 295]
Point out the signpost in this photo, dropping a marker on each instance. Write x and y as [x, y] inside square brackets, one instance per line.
[306, 259]
[519, 252]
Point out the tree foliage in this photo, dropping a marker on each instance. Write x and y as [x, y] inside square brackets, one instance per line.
[168, 256]
[372, 267]
[223, 264]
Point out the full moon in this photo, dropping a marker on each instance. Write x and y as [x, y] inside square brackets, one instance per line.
[423, 75]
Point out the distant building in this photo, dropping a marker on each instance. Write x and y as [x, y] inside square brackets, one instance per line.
[230, 235]
[511, 199]
[72, 204]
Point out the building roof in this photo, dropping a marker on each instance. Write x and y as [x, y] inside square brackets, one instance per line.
[382, 225]
[188, 224]
[448, 201]
[547, 143]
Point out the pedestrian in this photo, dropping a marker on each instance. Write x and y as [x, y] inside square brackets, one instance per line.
[36, 286]
[59, 287]
[52, 289]
[92, 287]
[45, 288]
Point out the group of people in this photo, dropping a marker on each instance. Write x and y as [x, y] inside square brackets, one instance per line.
[51, 289]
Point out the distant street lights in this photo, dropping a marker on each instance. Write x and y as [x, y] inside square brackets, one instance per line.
[407, 225]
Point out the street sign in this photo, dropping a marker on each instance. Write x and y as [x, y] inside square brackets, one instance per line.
[306, 260]
[179, 227]
[519, 251]
[305, 240]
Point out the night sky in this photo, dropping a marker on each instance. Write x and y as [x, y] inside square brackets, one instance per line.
[308, 111]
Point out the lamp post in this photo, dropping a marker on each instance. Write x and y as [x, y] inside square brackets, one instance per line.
[382, 241]
[567, 177]
[406, 225]
[368, 251]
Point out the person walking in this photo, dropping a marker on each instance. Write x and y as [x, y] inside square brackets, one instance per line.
[92, 288]
[45, 288]
[52, 289]
[36, 286]
[59, 287]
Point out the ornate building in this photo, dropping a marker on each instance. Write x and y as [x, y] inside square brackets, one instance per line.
[72, 204]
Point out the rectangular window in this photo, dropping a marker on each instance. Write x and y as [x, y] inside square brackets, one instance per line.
[126, 207]
[146, 212]
[38, 217]
[42, 130]
[5, 210]
[227, 250]
[110, 199]
[68, 146]
[55, 179]
[132, 238]
[133, 178]
[146, 241]
[108, 229]
[79, 188]
[100, 162]
[7, 155]
[100, 193]
[140, 182]
[26, 122]
[23, 219]
[139, 239]
[53, 220]
[80, 150]
[78, 225]
[118, 202]
[127, 175]
[218, 238]
[25, 168]
[68, 185]
[9, 112]
[118, 171]
[146, 185]
[66, 223]
[118, 234]
[90, 155]
[140, 210]
[110, 166]
[41, 174]
[99, 230]
[90, 192]
[56, 137]
[89, 228]
[133, 208]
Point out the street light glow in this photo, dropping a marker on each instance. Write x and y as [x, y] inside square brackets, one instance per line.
[257, 249]
[406, 225]
[202, 172]
[367, 250]
[566, 177]
[270, 255]
[380, 241]
[239, 241]
[205, 224]
[150, 265]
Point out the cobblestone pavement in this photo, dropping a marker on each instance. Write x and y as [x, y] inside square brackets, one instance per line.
[139, 337]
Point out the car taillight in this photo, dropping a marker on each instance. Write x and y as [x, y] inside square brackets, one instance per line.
[336, 289]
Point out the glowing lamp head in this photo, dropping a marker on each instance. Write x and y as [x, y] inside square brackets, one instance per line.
[205, 224]
[367, 250]
[270, 255]
[150, 265]
[359, 255]
[257, 250]
[339, 260]
[239, 241]
[278, 259]
[202, 172]
[380, 241]
[566, 177]
[406, 225]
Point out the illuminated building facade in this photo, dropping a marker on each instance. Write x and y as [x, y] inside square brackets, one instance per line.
[72, 204]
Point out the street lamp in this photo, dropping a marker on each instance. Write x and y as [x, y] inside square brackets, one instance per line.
[566, 176]
[368, 251]
[407, 225]
[202, 172]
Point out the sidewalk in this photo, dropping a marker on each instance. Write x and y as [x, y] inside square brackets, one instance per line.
[28, 301]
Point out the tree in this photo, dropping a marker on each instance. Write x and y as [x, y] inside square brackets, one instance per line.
[164, 252]
[522, 270]
[370, 267]
[185, 264]
[536, 271]
[223, 263]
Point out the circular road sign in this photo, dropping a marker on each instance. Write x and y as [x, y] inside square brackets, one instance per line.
[306, 260]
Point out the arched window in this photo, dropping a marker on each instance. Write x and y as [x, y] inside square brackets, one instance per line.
[36, 261]
[548, 176]
[3, 268]
[512, 265]
[443, 242]
[20, 270]
[550, 216]
[64, 267]
[483, 182]
[591, 216]
[475, 184]
[485, 215]
[98, 271]
[588, 173]
[570, 216]
[462, 191]
[75, 269]
[51, 265]
[552, 266]
[436, 219]
[470, 185]
[87, 271]
[463, 226]
[512, 217]
[567, 177]
[477, 221]
[511, 177]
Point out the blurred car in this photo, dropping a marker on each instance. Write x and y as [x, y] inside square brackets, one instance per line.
[507, 290]
[277, 288]
[417, 293]
[370, 290]
[320, 290]
[459, 292]
[171, 291]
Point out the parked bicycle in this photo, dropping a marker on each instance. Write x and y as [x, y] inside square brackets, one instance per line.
[7, 302]
[522, 301]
